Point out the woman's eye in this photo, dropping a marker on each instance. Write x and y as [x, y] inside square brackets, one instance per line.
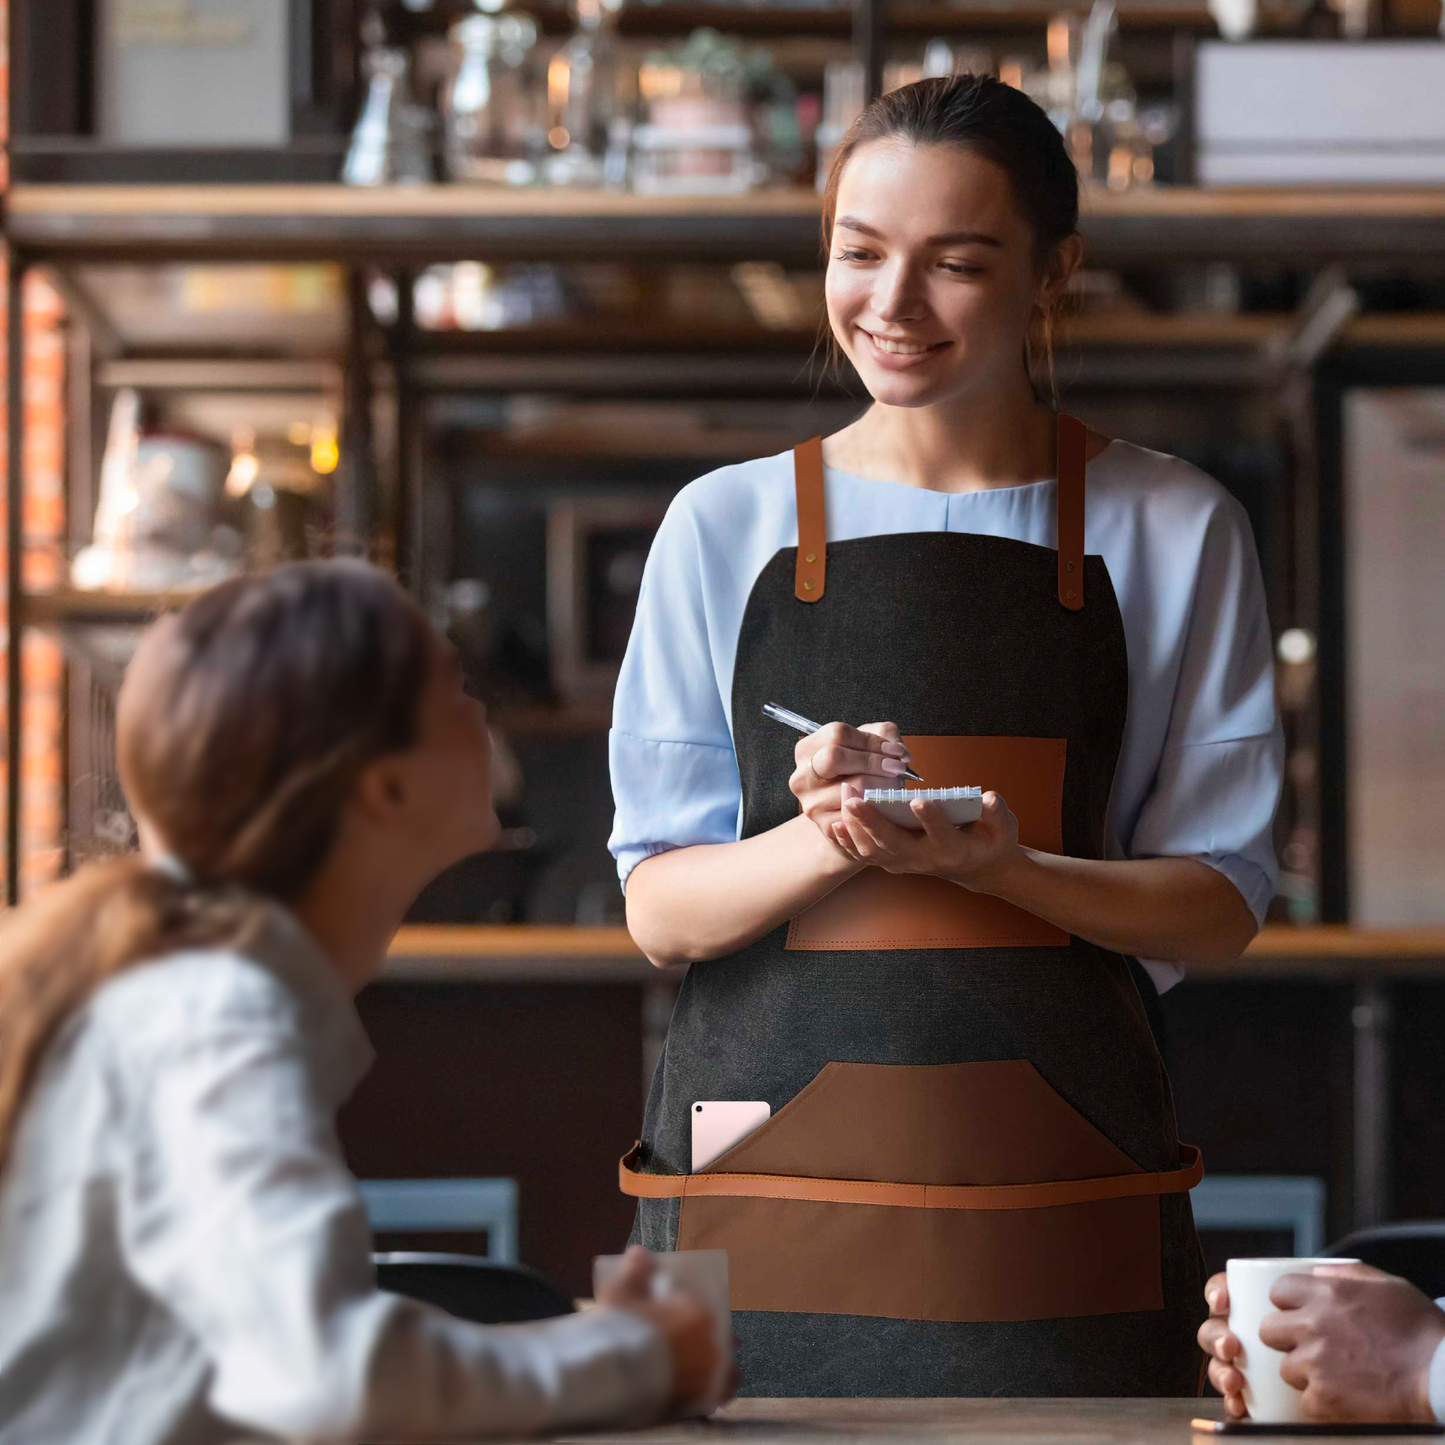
[851, 256]
[960, 268]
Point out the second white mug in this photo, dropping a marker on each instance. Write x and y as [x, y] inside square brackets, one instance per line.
[1266, 1395]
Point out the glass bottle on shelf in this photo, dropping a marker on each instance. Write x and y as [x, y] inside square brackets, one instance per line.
[490, 117]
[586, 96]
[391, 143]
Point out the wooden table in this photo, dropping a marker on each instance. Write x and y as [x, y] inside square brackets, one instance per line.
[1028, 1422]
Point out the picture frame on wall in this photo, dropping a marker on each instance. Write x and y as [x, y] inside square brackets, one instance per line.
[1381, 663]
[596, 550]
[105, 91]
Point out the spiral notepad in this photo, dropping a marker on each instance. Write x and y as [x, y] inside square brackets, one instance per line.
[963, 805]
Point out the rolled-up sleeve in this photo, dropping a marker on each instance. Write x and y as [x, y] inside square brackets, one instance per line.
[674, 772]
[1219, 776]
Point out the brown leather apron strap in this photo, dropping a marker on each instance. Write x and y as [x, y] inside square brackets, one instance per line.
[812, 520]
[911, 1196]
[1071, 443]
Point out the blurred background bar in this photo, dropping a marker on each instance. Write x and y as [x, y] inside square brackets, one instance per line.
[474, 288]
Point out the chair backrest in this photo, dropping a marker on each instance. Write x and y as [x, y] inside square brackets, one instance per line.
[1414, 1251]
[471, 1288]
[1272, 1202]
[451, 1206]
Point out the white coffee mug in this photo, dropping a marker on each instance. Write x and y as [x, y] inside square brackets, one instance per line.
[702, 1273]
[1266, 1395]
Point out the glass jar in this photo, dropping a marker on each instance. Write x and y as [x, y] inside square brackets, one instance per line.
[586, 96]
[391, 144]
[490, 114]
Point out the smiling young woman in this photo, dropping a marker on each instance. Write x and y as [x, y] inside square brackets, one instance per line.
[970, 1180]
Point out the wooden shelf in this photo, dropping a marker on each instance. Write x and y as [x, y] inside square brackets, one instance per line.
[535, 953]
[69, 606]
[516, 953]
[415, 224]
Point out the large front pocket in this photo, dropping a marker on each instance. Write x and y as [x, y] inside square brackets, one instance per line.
[936, 1191]
[875, 909]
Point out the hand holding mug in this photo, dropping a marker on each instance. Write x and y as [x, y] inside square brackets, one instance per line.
[688, 1326]
[1320, 1340]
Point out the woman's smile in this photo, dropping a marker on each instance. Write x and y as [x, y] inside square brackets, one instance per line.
[899, 355]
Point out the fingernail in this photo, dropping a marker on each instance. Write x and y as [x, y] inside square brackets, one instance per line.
[895, 750]
[893, 766]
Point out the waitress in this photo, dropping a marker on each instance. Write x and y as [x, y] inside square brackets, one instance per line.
[970, 1182]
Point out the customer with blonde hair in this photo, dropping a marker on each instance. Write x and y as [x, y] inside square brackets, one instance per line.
[183, 1254]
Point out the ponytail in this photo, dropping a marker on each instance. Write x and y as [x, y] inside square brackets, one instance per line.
[58, 950]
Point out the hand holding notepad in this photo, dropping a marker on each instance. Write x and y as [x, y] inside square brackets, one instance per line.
[963, 805]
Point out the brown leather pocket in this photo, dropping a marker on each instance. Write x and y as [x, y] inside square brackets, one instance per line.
[877, 909]
[998, 1125]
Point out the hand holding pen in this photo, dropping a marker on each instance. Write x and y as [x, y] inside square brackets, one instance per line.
[851, 739]
[832, 755]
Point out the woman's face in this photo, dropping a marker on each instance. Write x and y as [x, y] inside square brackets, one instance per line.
[447, 774]
[931, 277]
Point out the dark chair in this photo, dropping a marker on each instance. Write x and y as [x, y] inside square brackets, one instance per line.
[1414, 1251]
[472, 1288]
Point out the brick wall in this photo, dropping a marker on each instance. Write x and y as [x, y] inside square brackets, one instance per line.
[44, 524]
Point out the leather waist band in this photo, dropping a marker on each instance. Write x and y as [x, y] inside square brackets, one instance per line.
[910, 1196]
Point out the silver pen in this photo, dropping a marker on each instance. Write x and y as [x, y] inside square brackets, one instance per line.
[805, 725]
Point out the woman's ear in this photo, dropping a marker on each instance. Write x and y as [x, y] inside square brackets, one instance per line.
[1063, 261]
[381, 791]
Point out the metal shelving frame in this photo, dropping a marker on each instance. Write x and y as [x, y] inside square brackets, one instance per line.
[63, 226]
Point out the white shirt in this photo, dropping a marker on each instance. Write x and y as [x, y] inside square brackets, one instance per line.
[1202, 760]
[184, 1257]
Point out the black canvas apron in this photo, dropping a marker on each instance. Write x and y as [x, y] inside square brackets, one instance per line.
[970, 1183]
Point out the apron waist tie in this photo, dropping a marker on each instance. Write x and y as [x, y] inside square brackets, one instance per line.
[910, 1196]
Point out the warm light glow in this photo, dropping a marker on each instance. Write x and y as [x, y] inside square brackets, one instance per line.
[324, 452]
[558, 138]
[298, 434]
[559, 78]
[245, 468]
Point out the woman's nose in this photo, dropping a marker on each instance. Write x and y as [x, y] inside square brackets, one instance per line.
[896, 296]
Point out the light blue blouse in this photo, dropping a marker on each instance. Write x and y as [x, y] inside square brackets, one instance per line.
[1201, 765]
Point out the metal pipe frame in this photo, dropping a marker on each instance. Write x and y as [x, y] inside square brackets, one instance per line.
[16, 268]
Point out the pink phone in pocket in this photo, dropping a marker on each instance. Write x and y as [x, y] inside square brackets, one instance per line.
[718, 1124]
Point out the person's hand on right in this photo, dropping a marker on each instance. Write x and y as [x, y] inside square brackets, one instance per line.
[1357, 1343]
[1222, 1348]
[871, 756]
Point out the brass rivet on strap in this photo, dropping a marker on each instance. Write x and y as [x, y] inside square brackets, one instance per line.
[1070, 594]
[1068, 566]
[811, 557]
[808, 583]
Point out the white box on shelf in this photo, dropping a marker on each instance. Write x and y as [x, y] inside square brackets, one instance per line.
[1320, 112]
